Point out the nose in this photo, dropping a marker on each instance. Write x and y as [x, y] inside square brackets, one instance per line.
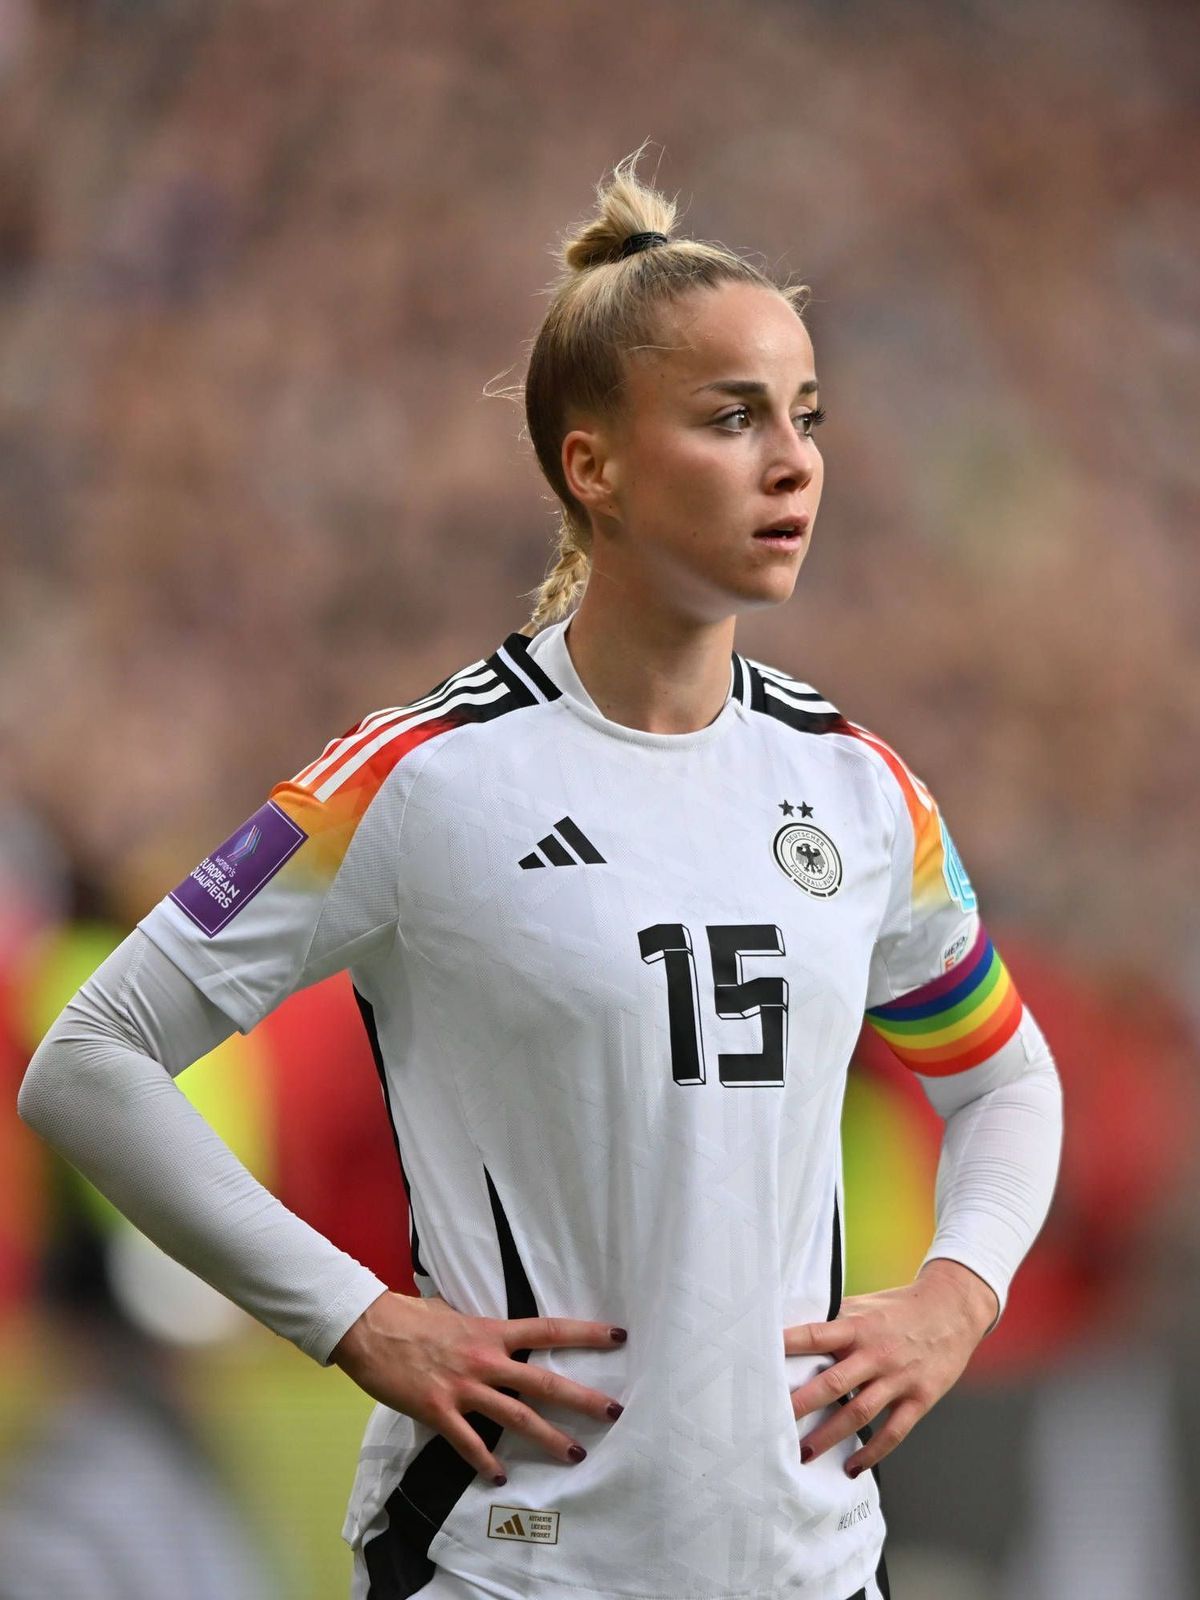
[793, 459]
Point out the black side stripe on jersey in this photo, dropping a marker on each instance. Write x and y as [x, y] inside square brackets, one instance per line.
[367, 1012]
[835, 1263]
[881, 1574]
[514, 658]
[398, 1559]
[835, 1306]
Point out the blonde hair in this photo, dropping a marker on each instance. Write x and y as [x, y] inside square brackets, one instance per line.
[603, 306]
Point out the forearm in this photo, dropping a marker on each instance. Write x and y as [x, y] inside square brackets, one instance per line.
[999, 1161]
[95, 1092]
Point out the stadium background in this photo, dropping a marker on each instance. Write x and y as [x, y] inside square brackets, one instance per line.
[264, 271]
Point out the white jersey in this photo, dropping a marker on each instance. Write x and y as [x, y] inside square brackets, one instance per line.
[613, 980]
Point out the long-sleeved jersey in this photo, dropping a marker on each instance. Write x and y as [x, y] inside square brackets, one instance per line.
[613, 980]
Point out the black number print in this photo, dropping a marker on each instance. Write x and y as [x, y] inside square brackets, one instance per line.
[733, 996]
[754, 997]
[671, 943]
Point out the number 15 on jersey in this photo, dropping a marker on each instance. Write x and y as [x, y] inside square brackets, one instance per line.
[733, 996]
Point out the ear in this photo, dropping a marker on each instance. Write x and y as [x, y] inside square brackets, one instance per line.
[591, 469]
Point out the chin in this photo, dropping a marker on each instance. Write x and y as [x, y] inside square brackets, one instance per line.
[766, 589]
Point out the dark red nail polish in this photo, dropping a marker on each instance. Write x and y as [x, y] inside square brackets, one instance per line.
[853, 1472]
[614, 1410]
[499, 1479]
[806, 1453]
[618, 1335]
[577, 1452]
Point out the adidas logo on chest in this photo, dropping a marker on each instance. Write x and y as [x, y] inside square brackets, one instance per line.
[566, 845]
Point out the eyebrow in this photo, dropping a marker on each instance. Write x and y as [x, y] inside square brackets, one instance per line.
[750, 388]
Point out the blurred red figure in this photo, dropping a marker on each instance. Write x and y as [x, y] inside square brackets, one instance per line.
[1062, 1463]
[336, 1161]
[1130, 1072]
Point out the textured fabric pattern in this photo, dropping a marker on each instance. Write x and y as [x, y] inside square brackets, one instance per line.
[616, 1083]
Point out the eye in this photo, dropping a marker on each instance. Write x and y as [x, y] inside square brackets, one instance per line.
[807, 420]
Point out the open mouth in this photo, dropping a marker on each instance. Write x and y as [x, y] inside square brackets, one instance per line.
[785, 533]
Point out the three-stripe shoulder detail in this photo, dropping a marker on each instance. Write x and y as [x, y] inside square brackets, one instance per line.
[476, 693]
[788, 700]
[805, 708]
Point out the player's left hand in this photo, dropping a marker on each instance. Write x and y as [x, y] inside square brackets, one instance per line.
[902, 1348]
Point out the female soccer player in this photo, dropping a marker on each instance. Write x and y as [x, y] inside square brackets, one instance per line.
[614, 899]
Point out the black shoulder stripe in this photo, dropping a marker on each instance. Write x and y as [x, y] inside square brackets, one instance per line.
[513, 656]
[783, 709]
[519, 693]
[739, 680]
[758, 699]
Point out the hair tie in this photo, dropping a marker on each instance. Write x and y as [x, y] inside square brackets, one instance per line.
[641, 241]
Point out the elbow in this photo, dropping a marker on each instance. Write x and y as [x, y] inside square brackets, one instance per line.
[37, 1088]
[60, 1075]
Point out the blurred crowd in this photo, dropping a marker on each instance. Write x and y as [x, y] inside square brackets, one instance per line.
[268, 276]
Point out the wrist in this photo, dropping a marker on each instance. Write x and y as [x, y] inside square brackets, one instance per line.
[357, 1336]
[976, 1298]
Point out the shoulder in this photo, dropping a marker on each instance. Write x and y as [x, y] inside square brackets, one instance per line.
[805, 710]
[394, 739]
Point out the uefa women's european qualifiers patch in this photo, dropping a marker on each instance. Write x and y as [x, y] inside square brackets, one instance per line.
[215, 891]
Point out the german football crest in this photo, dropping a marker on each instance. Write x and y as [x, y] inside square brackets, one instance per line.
[810, 858]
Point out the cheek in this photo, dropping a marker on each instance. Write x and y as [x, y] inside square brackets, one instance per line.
[683, 482]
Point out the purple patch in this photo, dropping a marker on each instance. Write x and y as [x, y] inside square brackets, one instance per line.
[232, 875]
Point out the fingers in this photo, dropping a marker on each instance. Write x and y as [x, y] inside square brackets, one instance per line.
[541, 1384]
[487, 1391]
[459, 1433]
[834, 1382]
[542, 1333]
[819, 1338]
[438, 1365]
[487, 1397]
[510, 1413]
[905, 1413]
[861, 1409]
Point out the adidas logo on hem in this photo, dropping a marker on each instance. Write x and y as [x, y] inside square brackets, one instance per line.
[518, 1522]
[554, 852]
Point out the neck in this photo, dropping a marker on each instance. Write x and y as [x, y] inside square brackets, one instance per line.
[648, 668]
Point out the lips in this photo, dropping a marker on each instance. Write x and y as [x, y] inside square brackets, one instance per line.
[787, 529]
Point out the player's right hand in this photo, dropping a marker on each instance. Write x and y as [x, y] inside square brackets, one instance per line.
[418, 1355]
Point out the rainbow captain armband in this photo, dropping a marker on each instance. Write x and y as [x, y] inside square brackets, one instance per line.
[958, 1020]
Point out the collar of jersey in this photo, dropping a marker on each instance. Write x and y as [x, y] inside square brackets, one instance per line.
[542, 677]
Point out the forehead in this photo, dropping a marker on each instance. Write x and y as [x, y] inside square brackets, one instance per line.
[739, 330]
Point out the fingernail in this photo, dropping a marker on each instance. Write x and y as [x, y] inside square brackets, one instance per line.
[853, 1472]
[618, 1335]
[806, 1453]
[577, 1452]
[614, 1410]
[499, 1479]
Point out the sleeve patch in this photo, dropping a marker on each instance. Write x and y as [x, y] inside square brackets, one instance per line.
[957, 1020]
[955, 874]
[214, 892]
